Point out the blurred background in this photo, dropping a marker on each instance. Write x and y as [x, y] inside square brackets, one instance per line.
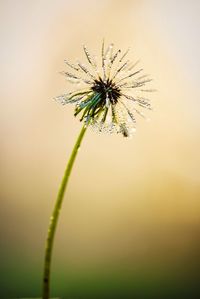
[130, 223]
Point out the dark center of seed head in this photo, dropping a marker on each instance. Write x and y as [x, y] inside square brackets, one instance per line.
[108, 88]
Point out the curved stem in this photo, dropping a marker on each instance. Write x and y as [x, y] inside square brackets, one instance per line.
[55, 216]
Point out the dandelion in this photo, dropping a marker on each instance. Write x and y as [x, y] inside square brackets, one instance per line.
[109, 95]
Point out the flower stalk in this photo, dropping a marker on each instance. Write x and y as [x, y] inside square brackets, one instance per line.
[55, 215]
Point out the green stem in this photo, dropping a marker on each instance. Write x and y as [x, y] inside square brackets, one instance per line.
[55, 216]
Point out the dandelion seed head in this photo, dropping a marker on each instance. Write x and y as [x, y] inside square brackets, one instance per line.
[113, 92]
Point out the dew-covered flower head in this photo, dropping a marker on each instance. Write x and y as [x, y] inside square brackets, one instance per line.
[109, 93]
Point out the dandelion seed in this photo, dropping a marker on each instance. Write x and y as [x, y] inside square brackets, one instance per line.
[106, 104]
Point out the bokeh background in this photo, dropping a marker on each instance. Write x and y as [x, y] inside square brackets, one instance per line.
[130, 224]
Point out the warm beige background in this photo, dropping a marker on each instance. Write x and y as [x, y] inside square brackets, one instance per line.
[128, 200]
